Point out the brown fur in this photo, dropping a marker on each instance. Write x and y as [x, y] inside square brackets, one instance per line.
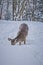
[21, 36]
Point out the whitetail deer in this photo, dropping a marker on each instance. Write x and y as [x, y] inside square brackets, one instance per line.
[21, 36]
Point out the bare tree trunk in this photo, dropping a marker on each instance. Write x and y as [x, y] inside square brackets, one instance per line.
[14, 7]
[7, 10]
[18, 5]
[22, 8]
[1, 7]
[33, 12]
[0, 11]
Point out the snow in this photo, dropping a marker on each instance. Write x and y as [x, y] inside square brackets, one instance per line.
[29, 54]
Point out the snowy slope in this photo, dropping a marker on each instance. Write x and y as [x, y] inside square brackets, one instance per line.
[29, 54]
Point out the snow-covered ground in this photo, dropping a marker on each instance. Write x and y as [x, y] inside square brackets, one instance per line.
[29, 54]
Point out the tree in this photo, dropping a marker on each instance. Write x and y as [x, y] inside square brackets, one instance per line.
[14, 7]
[1, 7]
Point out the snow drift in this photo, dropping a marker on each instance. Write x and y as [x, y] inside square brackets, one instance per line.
[29, 54]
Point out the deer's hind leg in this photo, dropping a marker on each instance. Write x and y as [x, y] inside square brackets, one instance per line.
[24, 41]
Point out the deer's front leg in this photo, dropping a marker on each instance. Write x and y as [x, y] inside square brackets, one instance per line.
[25, 41]
[19, 43]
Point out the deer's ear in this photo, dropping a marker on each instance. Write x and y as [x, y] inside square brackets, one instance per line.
[9, 39]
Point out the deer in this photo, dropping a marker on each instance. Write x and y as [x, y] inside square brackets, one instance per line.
[21, 35]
